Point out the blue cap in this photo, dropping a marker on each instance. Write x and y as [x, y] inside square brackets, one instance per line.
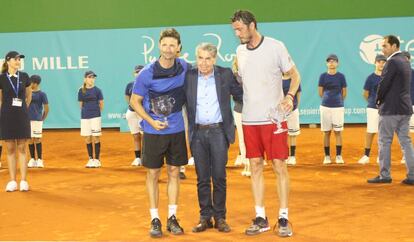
[138, 68]
[380, 58]
[332, 57]
[90, 73]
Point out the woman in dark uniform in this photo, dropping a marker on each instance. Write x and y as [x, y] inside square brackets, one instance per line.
[15, 96]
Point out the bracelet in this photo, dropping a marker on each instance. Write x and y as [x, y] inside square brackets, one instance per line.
[290, 95]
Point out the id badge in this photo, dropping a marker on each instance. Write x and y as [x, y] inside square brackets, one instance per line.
[17, 102]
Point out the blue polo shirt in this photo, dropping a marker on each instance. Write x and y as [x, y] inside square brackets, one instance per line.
[155, 82]
[286, 86]
[90, 100]
[39, 99]
[371, 85]
[128, 92]
[208, 108]
[332, 89]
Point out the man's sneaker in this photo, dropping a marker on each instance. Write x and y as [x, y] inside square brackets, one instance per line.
[39, 163]
[97, 163]
[182, 173]
[155, 230]
[284, 228]
[259, 225]
[191, 161]
[377, 160]
[408, 181]
[137, 162]
[364, 160]
[32, 163]
[339, 160]
[327, 160]
[238, 161]
[24, 186]
[291, 161]
[11, 186]
[173, 226]
[403, 160]
[90, 164]
[379, 179]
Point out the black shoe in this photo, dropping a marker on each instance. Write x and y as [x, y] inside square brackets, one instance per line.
[203, 225]
[173, 226]
[378, 179]
[408, 181]
[222, 226]
[155, 230]
[259, 226]
[182, 175]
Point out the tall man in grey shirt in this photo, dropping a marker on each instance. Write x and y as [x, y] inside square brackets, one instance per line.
[395, 110]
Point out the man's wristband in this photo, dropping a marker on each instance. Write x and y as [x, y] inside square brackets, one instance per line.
[290, 95]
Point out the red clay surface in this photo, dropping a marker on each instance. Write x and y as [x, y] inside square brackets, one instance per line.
[327, 203]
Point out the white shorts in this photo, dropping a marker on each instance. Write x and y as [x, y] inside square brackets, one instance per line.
[332, 118]
[91, 127]
[412, 123]
[36, 128]
[133, 122]
[372, 120]
[293, 123]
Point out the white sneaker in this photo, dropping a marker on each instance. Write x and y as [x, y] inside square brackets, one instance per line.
[182, 168]
[39, 163]
[403, 160]
[339, 160]
[327, 160]
[136, 162]
[11, 186]
[97, 163]
[32, 163]
[291, 161]
[238, 161]
[90, 164]
[191, 161]
[364, 160]
[377, 160]
[24, 186]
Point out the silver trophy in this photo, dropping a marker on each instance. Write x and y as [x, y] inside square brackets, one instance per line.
[277, 115]
[162, 106]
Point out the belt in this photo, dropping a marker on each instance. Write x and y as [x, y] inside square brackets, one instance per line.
[209, 126]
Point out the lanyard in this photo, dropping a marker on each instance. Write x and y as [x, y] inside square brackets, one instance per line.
[15, 88]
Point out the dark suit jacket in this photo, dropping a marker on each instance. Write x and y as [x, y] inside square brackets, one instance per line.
[393, 94]
[226, 85]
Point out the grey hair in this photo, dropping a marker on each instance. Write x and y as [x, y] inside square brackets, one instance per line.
[209, 47]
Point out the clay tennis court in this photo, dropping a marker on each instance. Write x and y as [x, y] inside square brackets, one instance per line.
[327, 203]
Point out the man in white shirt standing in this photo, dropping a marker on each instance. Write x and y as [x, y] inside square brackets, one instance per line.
[261, 62]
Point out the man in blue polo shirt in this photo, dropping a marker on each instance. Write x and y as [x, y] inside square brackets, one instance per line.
[158, 97]
[332, 90]
[370, 94]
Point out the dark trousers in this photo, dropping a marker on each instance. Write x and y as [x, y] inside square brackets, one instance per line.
[209, 148]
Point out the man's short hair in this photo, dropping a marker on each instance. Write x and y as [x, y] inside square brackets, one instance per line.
[244, 16]
[209, 47]
[171, 33]
[392, 39]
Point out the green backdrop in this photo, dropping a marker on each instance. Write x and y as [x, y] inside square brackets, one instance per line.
[49, 15]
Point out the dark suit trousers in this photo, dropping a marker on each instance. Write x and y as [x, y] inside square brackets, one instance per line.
[209, 148]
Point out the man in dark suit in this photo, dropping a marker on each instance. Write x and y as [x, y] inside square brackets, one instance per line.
[395, 110]
[211, 129]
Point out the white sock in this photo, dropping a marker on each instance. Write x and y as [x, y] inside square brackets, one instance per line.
[154, 213]
[172, 210]
[283, 213]
[260, 211]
